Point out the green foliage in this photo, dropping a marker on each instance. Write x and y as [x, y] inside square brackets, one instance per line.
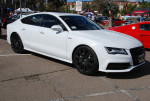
[55, 5]
[103, 6]
[130, 9]
[145, 5]
[85, 6]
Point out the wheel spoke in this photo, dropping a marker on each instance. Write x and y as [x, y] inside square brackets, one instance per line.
[85, 60]
[16, 43]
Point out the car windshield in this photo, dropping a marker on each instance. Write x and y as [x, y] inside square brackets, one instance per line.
[80, 23]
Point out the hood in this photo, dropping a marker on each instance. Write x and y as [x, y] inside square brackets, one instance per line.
[110, 38]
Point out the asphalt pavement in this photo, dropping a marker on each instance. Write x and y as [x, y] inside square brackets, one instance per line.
[33, 77]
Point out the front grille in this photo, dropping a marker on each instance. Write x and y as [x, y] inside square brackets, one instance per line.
[136, 52]
[118, 66]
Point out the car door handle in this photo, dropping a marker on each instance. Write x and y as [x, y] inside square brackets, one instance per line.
[42, 32]
[23, 29]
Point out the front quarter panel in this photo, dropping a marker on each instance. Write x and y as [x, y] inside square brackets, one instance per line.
[75, 40]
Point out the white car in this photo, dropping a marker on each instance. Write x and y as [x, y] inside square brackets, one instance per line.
[75, 39]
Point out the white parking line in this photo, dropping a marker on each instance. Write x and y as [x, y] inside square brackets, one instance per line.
[7, 55]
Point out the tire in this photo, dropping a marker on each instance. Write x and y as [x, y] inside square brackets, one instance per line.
[16, 43]
[85, 60]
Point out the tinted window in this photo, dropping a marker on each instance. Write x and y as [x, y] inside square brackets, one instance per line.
[79, 23]
[49, 21]
[144, 27]
[33, 20]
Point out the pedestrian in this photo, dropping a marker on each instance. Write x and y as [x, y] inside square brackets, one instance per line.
[0, 27]
[11, 13]
[93, 18]
[2, 14]
[141, 18]
[113, 21]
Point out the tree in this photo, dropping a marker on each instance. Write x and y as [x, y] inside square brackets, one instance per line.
[85, 6]
[104, 6]
[130, 8]
[145, 5]
[56, 4]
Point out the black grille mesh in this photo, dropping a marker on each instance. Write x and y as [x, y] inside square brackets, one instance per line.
[135, 52]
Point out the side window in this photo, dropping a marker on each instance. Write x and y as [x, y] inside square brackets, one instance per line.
[49, 21]
[141, 27]
[33, 20]
[145, 27]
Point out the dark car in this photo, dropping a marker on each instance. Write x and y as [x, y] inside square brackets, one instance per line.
[8, 20]
[102, 19]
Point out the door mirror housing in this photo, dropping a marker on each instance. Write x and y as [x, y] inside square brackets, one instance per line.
[57, 28]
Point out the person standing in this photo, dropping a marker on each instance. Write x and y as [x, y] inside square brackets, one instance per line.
[2, 14]
[141, 18]
[0, 27]
[1, 18]
[11, 14]
[93, 18]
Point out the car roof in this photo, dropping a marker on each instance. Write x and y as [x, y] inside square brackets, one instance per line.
[144, 22]
[57, 13]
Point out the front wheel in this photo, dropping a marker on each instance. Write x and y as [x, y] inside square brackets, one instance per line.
[16, 43]
[85, 60]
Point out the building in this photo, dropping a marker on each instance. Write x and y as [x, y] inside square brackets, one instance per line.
[120, 3]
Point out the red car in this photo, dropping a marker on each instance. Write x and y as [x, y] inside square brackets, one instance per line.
[140, 31]
[118, 22]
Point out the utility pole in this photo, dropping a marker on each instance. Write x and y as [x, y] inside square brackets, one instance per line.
[110, 15]
[20, 7]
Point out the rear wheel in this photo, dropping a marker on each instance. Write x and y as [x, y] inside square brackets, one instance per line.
[85, 60]
[16, 43]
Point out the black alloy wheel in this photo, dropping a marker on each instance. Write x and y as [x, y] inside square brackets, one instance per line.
[85, 60]
[16, 43]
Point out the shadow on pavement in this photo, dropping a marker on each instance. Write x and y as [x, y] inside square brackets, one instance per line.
[135, 73]
[3, 37]
[147, 49]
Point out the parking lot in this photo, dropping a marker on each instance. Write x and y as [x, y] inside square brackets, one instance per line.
[33, 77]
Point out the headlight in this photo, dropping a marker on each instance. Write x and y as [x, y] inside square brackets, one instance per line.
[111, 50]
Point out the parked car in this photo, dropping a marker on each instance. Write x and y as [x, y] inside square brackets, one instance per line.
[118, 22]
[75, 39]
[103, 20]
[127, 22]
[140, 31]
[12, 19]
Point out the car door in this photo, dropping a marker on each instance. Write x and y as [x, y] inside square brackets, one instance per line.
[30, 30]
[52, 42]
[145, 34]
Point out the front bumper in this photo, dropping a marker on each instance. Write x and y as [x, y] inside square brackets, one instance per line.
[121, 63]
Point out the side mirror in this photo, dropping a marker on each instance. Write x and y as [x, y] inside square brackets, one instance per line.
[57, 28]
